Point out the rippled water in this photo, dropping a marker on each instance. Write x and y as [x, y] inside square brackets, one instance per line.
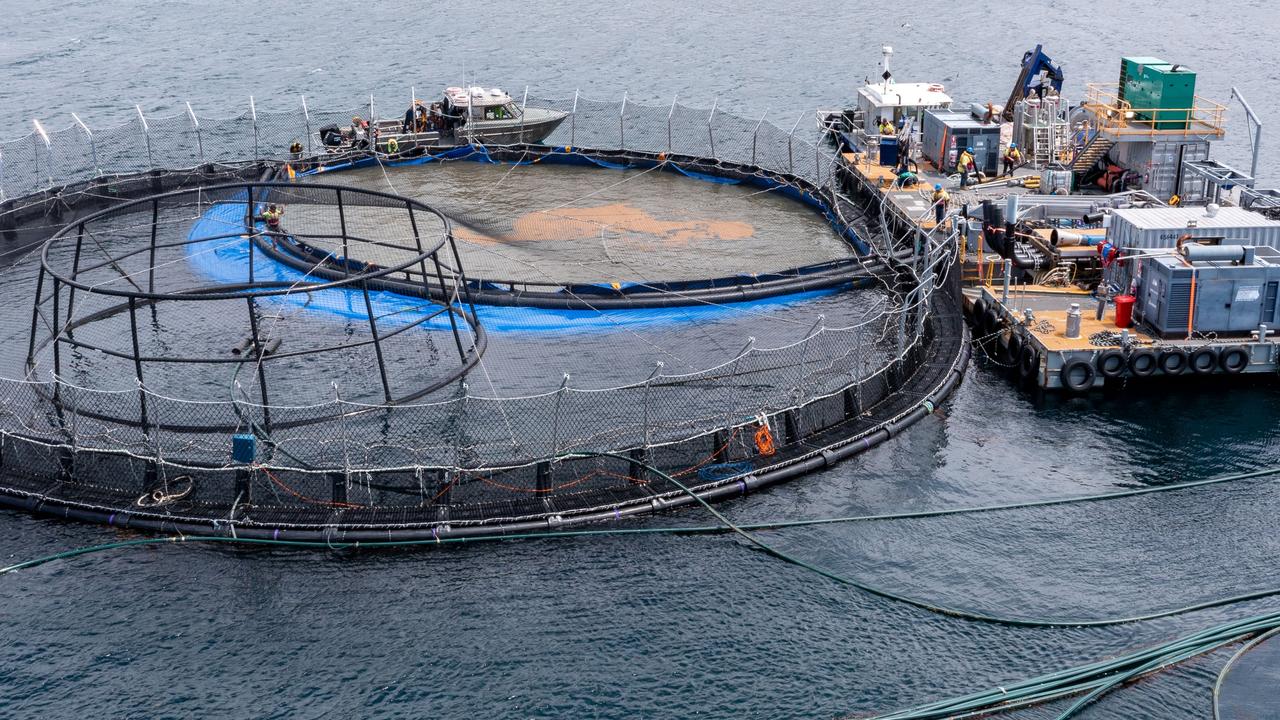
[660, 626]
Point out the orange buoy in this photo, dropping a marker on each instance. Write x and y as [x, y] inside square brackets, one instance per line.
[764, 440]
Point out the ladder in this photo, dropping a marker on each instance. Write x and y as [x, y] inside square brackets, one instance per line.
[1042, 145]
[1043, 130]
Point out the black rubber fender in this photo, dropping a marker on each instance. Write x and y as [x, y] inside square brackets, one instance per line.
[1112, 364]
[977, 310]
[1173, 361]
[1203, 361]
[1233, 359]
[1142, 363]
[1077, 374]
[1028, 361]
[1015, 345]
[1004, 350]
[990, 321]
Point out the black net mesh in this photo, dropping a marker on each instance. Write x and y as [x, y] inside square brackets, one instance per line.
[163, 327]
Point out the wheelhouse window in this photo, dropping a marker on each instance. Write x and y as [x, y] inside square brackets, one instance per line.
[506, 111]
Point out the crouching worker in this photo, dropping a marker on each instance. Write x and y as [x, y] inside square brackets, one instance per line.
[1012, 159]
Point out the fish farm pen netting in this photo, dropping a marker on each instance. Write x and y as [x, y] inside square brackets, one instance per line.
[383, 389]
[544, 224]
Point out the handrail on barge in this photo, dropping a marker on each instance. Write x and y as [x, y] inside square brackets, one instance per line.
[1117, 117]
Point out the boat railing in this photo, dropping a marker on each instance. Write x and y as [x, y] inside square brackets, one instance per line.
[1117, 117]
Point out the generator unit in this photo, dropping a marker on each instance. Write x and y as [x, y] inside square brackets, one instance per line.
[1222, 289]
[1160, 93]
[947, 133]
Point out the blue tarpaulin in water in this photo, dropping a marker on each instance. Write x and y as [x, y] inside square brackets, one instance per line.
[226, 260]
[703, 176]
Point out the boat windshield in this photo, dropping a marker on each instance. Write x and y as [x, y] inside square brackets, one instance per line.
[506, 111]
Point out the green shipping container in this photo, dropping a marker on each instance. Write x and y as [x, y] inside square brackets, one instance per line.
[1162, 94]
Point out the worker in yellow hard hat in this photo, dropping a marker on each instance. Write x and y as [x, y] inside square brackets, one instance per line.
[1012, 158]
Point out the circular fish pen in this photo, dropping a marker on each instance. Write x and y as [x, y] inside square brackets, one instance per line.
[513, 338]
[545, 227]
[185, 308]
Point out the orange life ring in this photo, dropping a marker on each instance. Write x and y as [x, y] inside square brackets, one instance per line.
[764, 440]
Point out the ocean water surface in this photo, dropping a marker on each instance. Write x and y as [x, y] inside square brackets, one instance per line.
[661, 626]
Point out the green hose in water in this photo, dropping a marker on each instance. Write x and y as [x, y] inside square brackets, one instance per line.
[744, 531]
[1095, 679]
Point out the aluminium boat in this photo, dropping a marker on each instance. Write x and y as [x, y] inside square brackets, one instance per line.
[463, 116]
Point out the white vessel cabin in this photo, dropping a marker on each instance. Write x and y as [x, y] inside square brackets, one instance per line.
[477, 103]
[899, 103]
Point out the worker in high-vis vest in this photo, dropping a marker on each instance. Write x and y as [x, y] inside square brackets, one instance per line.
[1012, 158]
[940, 200]
[271, 216]
[964, 166]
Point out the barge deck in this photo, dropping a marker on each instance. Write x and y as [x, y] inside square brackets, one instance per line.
[1047, 309]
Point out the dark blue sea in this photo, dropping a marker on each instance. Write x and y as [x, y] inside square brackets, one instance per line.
[667, 626]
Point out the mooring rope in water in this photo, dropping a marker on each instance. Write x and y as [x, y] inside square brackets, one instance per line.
[1095, 679]
[746, 532]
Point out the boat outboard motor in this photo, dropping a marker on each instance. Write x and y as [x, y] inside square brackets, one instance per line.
[331, 136]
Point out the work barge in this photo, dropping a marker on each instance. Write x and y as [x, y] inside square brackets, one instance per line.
[1109, 247]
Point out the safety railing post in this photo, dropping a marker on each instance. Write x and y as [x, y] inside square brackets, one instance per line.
[814, 331]
[253, 115]
[859, 370]
[195, 125]
[710, 134]
[671, 113]
[35, 164]
[622, 114]
[648, 383]
[306, 122]
[2, 195]
[93, 145]
[48, 152]
[573, 121]
[791, 161]
[755, 135]
[523, 103]
[555, 421]
[146, 135]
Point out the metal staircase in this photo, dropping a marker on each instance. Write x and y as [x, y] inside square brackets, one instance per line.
[1090, 153]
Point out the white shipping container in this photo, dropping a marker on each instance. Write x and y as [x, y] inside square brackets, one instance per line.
[1161, 227]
